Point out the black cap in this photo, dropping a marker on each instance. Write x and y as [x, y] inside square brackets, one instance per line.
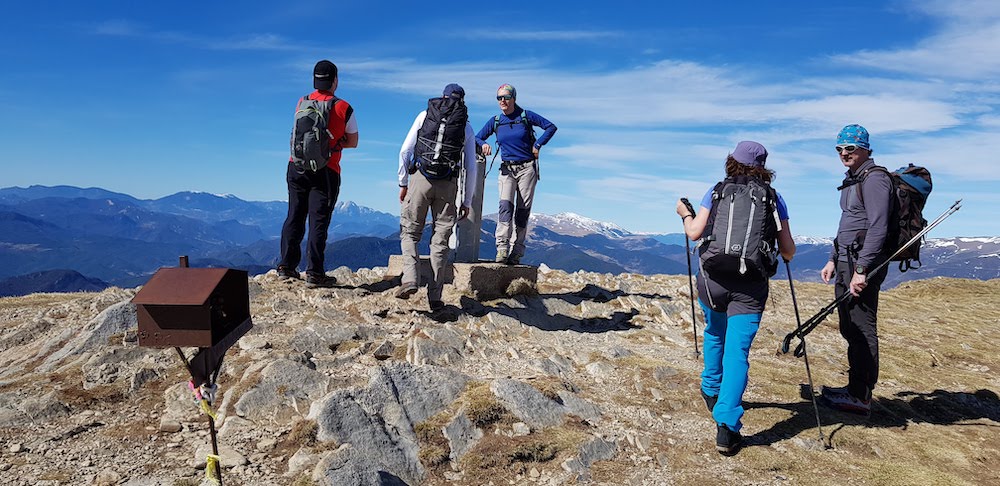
[323, 75]
[454, 91]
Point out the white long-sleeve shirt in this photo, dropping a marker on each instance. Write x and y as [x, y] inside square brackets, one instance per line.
[468, 157]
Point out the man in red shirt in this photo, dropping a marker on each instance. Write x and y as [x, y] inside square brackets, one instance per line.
[314, 194]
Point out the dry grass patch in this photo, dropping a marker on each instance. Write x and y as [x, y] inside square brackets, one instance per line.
[77, 397]
[303, 433]
[399, 353]
[550, 386]
[434, 449]
[347, 346]
[498, 456]
[482, 406]
[304, 480]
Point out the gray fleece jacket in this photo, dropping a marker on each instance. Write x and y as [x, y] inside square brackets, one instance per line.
[864, 219]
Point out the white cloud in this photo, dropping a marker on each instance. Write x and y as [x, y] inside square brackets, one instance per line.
[967, 46]
[251, 42]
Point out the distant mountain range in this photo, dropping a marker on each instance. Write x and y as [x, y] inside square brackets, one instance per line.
[110, 238]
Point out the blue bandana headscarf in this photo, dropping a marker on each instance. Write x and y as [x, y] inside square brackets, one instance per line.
[854, 135]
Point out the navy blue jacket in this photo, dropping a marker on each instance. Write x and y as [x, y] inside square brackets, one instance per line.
[513, 135]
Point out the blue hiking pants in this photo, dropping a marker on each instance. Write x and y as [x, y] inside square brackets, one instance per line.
[727, 351]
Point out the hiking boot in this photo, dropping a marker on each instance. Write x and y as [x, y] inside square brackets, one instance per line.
[709, 401]
[435, 305]
[406, 290]
[514, 259]
[285, 273]
[727, 442]
[315, 281]
[845, 402]
[502, 255]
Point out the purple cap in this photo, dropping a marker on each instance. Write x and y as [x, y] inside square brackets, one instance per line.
[750, 153]
[454, 91]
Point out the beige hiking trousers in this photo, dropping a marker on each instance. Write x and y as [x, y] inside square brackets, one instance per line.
[422, 194]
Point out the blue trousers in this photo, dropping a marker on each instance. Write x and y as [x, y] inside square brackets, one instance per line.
[727, 364]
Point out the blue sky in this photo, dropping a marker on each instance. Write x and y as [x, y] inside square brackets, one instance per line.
[650, 97]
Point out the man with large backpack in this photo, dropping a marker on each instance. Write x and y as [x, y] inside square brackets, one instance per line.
[439, 146]
[863, 242]
[324, 125]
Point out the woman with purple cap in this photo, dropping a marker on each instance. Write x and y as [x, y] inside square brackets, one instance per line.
[518, 150]
[733, 280]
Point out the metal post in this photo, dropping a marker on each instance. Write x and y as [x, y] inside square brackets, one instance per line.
[183, 263]
[470, 227]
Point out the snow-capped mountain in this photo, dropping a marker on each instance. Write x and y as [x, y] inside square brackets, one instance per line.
[572, 224]
[120, 239]
[811, 240]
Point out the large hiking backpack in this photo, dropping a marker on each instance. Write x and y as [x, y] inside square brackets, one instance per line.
[910, 185]
[742, 230]
[441, 138]
[311, 134]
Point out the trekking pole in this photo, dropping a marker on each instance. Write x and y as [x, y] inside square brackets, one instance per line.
[805, 355]
[814, 321]
[687, 246]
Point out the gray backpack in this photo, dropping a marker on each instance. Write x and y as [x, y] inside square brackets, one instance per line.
[310, 134]
[742, 230]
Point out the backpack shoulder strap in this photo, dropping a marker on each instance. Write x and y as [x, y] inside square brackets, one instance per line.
[864, 175]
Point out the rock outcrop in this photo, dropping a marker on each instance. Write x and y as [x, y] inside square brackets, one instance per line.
[585, 379]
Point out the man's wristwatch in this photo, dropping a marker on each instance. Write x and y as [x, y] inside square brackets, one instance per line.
[860, 270]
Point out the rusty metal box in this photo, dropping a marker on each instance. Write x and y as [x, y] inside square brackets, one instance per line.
[191, 306]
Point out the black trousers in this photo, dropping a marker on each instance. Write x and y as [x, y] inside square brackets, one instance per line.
[858, 325]
[312, 195]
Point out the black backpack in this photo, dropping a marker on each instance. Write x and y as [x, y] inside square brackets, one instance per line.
[911, 185]
[311, 135]
[742, 230]
[441, 138]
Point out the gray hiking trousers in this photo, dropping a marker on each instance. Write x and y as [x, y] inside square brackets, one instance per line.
[517, 191]
[438, 196]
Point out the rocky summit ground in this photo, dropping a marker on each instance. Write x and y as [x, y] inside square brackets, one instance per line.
[584, 379]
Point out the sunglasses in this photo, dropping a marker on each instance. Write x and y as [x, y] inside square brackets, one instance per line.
[846, 149]
[504, 97]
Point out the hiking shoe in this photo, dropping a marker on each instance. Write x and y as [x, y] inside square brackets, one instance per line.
[314, 281]
[845, 402]
[727, 442]
[502, 255]
[514, 259]
[709, 401]
[435, 305]
[406, 290]
[286, 273]
[825, 390]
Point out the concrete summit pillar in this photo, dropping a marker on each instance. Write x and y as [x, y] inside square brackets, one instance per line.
[470, 228]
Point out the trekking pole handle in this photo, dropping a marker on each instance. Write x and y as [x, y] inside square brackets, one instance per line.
[688, 205]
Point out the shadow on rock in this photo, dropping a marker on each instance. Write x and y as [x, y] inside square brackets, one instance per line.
[539, 314]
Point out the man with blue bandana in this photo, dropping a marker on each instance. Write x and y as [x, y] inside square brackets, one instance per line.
[860, 245]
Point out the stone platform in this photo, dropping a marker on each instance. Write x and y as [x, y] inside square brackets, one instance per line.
[485, 280]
